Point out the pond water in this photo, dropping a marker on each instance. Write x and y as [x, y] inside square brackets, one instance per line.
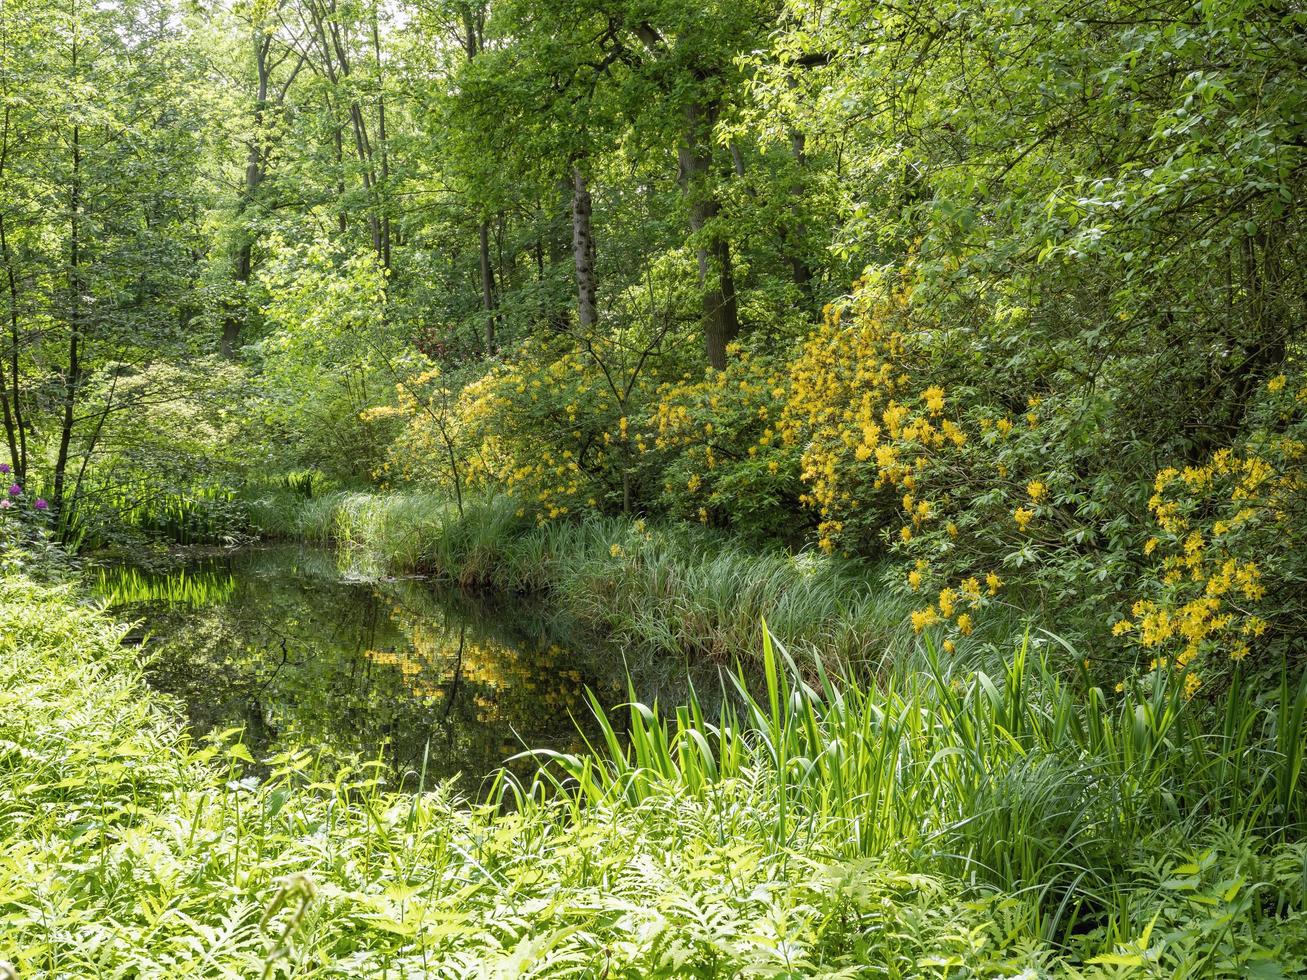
[278, 642]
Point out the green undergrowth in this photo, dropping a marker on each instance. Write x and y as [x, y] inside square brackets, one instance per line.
[671, 587]
[946, 823]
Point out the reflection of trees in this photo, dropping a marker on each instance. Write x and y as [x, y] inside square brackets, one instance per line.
[297, 656]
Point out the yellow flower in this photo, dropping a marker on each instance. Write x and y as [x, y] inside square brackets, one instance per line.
[1191, 685]
[1150, 546]
[1276, 383]
[1122, 627]
[914, 579]
[1022, 516]
[952, 530]
[994, 582]
[1037, 490]
[934, 396]
[905, 534]
[921, 618]
[692, 484]
[615, 550]
[1239, 651]
[949, 647]
[964, 624]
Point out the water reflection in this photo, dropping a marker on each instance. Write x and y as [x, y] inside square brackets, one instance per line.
[274, 641]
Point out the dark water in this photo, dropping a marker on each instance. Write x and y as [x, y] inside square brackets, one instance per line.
[277, 642]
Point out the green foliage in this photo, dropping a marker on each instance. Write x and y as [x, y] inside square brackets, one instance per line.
[722, 447]
[326, 357]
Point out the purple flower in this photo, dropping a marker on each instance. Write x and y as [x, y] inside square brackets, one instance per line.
[4, 468]
[40, 504]
[15, 490]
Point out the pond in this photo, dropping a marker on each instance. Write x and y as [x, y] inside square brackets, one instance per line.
[276, 641]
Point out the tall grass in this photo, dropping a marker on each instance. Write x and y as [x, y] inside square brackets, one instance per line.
[942, 823]
[1028, 783]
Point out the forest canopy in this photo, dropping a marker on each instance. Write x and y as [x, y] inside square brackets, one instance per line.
[1012, 294]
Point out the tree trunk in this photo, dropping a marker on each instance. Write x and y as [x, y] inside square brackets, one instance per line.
[798, 260]
[243, 262]
[721, 322]
[381, 140]
[11, 398]
[72, 376]
[487, 285]
[583, 251]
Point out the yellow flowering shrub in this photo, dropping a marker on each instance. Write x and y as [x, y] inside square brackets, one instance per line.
[1228, 574]
[431, 444]
[722, 454]
[851, 409]
[555, 431]
[889, 457]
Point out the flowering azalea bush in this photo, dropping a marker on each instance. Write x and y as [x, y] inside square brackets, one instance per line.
[975, 485]
[431, 444]
[557, 427]
[889, 460]
[1229, 550]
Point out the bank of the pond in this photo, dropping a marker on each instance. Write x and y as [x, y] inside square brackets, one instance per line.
[941, 826]
[668, 587]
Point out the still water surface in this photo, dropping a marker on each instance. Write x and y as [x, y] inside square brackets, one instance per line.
[278, 642]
